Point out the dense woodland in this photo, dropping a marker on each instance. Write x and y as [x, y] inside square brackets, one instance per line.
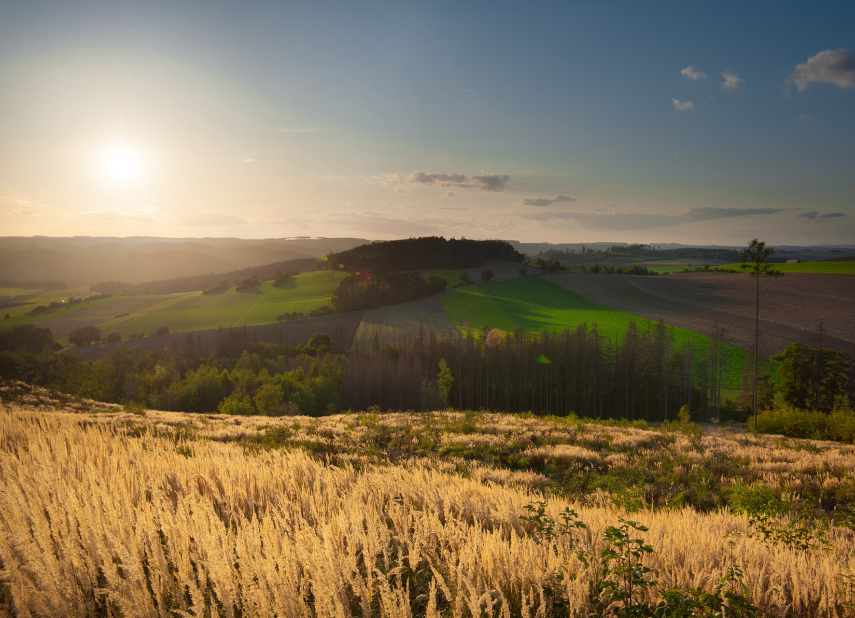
[628, 253]
[372, 288]
[424, 253]
[643, 376]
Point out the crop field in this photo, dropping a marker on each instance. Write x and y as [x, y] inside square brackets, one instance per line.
[257, 305]
[827, 268]
[189, 311]
[22, 301]
[105, 513]
[452, 277]
[393, 324]
[537, 304]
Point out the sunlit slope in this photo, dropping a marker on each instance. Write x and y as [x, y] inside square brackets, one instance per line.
[257, 305]
[536, 304]
[820, 268]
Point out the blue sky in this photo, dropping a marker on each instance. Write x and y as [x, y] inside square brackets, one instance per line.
[597, 121]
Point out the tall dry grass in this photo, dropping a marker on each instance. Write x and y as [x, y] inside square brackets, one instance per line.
[98, 518]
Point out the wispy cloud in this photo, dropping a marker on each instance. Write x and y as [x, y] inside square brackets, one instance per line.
[635, 221]
[732, 81]
[836, 67]
[682, 106]
[484, 182]
[693, 74]
[449, 194]
[818, 218]
[294, 129]
[545, 201]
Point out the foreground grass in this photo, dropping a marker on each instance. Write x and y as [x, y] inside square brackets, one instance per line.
[373, 515]
[537, 304]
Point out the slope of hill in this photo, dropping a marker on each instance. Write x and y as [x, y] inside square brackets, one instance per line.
[86, 260]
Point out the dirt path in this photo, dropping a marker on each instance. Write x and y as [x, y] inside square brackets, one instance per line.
[686, 303]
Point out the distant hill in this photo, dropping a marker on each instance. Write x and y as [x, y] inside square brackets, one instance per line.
[428, 252]
[203, 282]
[83, 261]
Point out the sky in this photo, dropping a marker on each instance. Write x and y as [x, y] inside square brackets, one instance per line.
[695, 123]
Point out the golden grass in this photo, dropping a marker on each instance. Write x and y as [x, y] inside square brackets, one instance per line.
[113, 515]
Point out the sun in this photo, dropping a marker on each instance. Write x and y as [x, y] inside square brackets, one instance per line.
[120, 162]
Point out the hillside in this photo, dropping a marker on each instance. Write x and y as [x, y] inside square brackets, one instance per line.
[84, 261]
[427, 252]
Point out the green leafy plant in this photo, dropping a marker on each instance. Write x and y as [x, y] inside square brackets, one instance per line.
[623, 579]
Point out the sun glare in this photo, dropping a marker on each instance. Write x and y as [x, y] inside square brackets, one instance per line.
[120, 163]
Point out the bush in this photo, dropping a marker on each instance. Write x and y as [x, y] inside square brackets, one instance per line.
[163, 330]
[84, 335]
[839, 425]
[114, 336]
[236, 404]
[757, 499]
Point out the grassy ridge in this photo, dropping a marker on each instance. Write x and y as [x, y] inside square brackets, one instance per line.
[257, 305]
[819, 268]
[536, 304]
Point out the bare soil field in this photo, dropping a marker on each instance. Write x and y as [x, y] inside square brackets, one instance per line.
[394, 323]
[790, 307]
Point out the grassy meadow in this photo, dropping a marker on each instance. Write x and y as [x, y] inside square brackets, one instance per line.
[536, 304]
[822, 268]
[188, 311]
[106, 513]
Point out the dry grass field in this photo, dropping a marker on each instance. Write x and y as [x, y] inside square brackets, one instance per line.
[106, 513]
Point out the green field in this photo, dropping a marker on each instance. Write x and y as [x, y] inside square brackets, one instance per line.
[258, 305]
[451, 276]
[821, 268]
[536, 304]
[19, 314]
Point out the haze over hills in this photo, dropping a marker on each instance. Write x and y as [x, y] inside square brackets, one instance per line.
[85, 261]
[42, 261]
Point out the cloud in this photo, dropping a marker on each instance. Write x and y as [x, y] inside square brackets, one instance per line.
[818, 218]
[634, 221]
[682, 106]
[484, 182]
[305, 129]
[402, 190]
[545, 201]
[210, 218]
[835, 67]
[732, 81]
[447, 194]
[530, 201]
[693, 74]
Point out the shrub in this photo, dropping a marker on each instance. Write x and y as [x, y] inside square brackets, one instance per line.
[84, 335]
[786, 420]
[757, 499]
[236, 404]
[114, 336]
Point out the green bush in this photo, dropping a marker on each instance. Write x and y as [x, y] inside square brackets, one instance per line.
[757, 499]
[839, 425]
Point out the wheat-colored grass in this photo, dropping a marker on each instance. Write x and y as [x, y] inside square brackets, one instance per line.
[113, 515]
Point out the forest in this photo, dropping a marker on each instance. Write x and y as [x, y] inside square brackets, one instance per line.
[426, 252]
[644, 376]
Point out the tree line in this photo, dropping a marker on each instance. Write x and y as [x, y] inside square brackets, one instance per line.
[645, 374]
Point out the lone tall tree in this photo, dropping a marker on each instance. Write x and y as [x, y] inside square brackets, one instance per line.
[755, 259]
